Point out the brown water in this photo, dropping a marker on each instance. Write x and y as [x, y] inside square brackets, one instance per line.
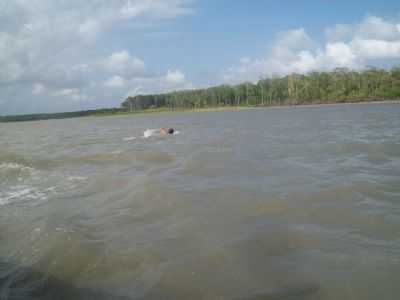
[279, 203]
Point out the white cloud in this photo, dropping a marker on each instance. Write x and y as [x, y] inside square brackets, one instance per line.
[376, 28]
[155, 8]
[291, 52]
[305, 61]
[341, 55]
[53, 49]
[38, 89]
[339, 32]
[115, 82]
[352, 46]
[371, 27]
[65, 92]
[119, 59]
[10, 71]
[72, 94]
[296, 39]
[245, 60]
[376, 49]
[175, 77]
[123, 63]
[89, 30]
[170, 81]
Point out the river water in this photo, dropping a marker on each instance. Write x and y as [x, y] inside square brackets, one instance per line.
[275, 203]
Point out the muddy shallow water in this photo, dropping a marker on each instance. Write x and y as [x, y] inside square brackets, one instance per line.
[278, 203]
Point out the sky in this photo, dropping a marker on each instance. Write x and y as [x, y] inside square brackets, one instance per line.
[67, 55]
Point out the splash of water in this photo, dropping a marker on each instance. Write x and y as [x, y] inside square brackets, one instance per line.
[150, 132]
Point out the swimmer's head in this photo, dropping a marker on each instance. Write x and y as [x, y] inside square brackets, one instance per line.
[167, 131]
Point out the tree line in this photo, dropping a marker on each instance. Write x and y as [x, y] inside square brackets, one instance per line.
[63, 115]
[337, 86]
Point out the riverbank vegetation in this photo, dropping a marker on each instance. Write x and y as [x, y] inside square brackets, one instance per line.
[338, 86]
[63, 115]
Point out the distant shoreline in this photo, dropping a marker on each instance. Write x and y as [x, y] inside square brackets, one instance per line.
[121, 112]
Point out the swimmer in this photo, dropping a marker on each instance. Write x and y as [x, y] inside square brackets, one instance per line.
[166, 131]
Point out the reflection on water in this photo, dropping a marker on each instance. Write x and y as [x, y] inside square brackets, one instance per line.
[285, 203]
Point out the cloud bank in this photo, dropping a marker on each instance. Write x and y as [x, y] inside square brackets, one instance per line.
[372, 41]
[54, 54]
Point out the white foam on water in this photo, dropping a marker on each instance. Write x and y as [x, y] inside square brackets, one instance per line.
[129, 138]
[15, 167]
[33, 187]
[22, 193]
[150, 132]
[76, 178]
[74, 182]
[155, 132]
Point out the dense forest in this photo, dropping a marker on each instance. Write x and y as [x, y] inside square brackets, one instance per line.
[340, 85]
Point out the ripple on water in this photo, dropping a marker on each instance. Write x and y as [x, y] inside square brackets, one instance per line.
[128, 139]
[214, 216]
[120, 157]
[23, 193]
[25, 184]
[358, 207]
[381, 150]
[156, 157]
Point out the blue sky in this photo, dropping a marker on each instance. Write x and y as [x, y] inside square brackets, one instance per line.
[69, 55]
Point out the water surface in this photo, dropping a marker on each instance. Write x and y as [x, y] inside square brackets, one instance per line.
[277, 203]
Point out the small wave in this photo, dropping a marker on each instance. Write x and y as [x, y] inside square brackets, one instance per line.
[155, 157]
[15, 172]
[15, 167]
[76, 178]
[129, 138]
[22, 193]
